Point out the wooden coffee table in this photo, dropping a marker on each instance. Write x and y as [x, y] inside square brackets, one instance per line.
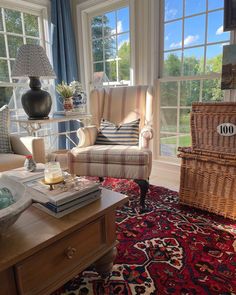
[40, 253]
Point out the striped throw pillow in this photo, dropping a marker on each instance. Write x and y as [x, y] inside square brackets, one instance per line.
[125, 134]
[5, 146]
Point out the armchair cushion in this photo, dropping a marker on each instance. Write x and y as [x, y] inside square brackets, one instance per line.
[29, 145]
[113, 160]
[122, 134]
[5, 146]
[87, 136]
[11, 161]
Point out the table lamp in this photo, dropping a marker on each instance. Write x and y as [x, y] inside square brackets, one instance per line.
[32, 61]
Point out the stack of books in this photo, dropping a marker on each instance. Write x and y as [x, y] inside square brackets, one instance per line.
[65, 197]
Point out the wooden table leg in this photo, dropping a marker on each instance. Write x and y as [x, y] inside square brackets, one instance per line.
[104, 265]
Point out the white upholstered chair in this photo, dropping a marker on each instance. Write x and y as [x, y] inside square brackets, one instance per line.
[118, 105]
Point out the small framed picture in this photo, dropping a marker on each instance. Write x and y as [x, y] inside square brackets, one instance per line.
[229, 15]
[228, 80]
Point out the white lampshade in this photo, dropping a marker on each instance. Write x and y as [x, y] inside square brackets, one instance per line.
[32, 61]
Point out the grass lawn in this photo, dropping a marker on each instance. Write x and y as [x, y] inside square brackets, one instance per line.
[184, 140]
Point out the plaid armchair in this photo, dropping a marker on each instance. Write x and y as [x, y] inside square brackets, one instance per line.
[119, 105]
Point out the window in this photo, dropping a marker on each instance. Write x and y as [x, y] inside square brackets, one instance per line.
[110, 46]
[193, 40]
[17, 26]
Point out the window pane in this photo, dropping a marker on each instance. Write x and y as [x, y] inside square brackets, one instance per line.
[113, 47]
[32, 41]
[193, 61]
[185, 140]
[169, 93]
[2, 46]
[13, 21]
[168, 145]
[96, 26]
[123, 20]
[173, 9]
[169, 120]
[14, 42]
[211, 90]
[110, 47]
[173, 35]
[31, 25]
[5, 95]
[109, 23]
[214, 58]
[124, 61]
[98, 67]
[194, 33]
[4, 74]
[214, 4]
[184, 121]
[1, 24]
[172, 63]
[215, 27]
[97, 50]
[194, 7]
[189, 92]
[111, 70]
[123, 45]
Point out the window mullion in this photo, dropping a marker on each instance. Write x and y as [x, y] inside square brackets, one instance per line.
[23, 27]
[205, 45]
[116, 60]
[6, 43]
[182, 48]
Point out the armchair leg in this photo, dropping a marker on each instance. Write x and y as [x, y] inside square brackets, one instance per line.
[101, 179]
[143, 185]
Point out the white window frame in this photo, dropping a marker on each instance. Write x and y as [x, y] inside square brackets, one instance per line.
[178, 79]
[38, 8]
[84, 12]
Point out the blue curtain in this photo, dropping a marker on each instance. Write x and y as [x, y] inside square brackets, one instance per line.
[64, 57]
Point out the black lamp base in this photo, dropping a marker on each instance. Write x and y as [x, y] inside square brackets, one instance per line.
[38, 118]
[36, 102]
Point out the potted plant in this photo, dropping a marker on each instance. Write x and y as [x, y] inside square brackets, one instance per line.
[66, 92]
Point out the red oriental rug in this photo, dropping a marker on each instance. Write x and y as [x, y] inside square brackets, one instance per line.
[173, 249]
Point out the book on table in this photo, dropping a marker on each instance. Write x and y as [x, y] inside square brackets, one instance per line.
[60, 211]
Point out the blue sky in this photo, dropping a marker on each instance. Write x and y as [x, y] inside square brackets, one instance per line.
[195, 26]
[122, 24]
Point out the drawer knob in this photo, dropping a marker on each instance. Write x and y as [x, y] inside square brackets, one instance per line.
[70, 251]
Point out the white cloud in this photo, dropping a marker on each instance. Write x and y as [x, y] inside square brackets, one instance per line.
[187, 41]
[119, 26]
[171, 13]
[190, 39]
[219, 31]
[176, 45]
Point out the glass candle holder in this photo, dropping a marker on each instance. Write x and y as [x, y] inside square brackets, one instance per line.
[53, 173]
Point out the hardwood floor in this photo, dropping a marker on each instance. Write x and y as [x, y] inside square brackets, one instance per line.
[166, 175]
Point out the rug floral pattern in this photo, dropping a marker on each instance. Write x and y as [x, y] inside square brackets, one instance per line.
[172, 249]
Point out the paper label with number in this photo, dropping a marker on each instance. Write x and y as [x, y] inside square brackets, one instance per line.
[226, 129]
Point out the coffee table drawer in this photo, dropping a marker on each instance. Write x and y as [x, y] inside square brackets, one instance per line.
[37, 272]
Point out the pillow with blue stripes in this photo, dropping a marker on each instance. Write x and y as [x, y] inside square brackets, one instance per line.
[123, 134]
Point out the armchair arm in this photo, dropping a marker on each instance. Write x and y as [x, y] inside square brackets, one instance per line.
[29, 145]
[146, 135]
[87, 136]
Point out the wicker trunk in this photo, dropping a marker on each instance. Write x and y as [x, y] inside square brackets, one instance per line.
[208, 181]
[205, 121]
